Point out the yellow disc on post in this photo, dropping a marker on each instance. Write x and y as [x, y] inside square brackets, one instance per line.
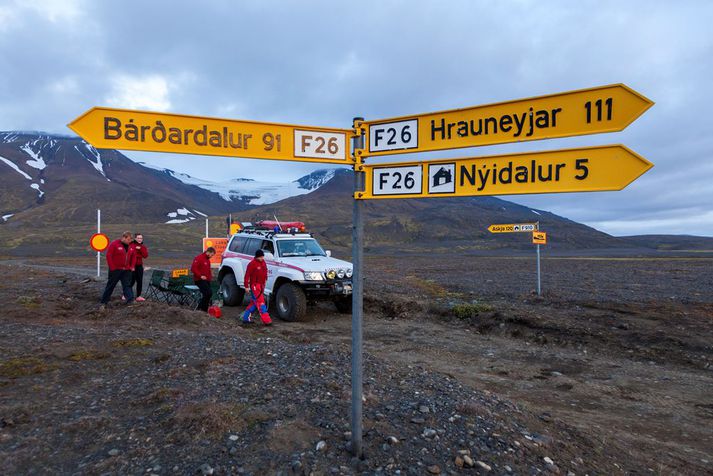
[99, 242]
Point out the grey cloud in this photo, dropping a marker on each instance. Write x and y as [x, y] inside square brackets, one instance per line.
[323, 62]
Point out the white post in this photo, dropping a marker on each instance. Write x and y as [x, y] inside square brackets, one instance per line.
[206, 228]
[99, 230]
[539, 288]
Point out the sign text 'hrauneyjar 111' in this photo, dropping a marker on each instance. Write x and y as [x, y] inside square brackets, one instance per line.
[588, 111]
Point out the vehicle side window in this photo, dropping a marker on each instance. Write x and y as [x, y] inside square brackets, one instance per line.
[252, 246]
[268, 246]
[237, 244]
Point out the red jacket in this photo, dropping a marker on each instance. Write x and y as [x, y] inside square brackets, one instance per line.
[256, 274]
[140, 251]
[201, 267]
[118, 257]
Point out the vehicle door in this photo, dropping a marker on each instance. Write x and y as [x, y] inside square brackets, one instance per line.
[272, 270]
[236, 245]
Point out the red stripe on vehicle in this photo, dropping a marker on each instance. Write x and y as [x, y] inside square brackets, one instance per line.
[233, 254]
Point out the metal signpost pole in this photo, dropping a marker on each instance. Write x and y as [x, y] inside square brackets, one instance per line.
[539, 290]
[99, 229]
[357, 301]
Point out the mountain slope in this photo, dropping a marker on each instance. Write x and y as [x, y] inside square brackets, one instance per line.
[53, 179]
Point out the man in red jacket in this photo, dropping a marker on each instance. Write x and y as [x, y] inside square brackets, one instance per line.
[121, 260]
[255, 279]
[141, 252]
[202, 276]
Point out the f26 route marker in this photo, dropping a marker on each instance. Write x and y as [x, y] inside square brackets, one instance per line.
[161, 132]
[587, 111]
[588, 169]
[513, 227]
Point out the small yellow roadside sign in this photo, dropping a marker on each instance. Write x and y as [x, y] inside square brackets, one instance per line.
[587, 111]
[539, 238]
[588, 169]
[177, 273]
[513, 228]
[161, 132]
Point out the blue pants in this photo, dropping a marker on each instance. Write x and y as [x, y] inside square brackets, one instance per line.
[256, 304]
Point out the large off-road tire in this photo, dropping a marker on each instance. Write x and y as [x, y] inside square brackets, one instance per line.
[232, 293]
[344, 304]
[290, 302]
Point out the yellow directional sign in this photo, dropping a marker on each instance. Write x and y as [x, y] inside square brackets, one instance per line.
[161, 132]
[587, 111]
[539, 238]
[513, 228]
[588, 169]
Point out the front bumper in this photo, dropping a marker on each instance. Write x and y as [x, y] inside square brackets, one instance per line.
[332, 288]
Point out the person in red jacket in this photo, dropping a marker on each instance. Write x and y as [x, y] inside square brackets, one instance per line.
[202, 276]
[141, 252]
[255, 279]
[121, 260]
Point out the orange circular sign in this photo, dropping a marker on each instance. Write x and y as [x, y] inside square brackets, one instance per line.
[99, 241]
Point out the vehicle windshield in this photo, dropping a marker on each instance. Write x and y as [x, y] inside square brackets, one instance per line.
[305, 247]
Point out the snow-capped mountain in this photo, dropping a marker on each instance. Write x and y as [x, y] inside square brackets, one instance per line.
[47, 178]
[255, 192]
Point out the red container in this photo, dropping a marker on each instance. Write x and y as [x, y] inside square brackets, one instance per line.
[215, 311]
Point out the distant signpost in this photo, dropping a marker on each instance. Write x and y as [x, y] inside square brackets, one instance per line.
[513, 227]
[588, 111]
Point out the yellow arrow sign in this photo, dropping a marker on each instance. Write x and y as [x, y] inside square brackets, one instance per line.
[588, 169]
[587, 111]
[513, 228]
[160, 132]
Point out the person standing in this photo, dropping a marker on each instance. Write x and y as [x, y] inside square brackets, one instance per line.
[121, 260]
[255, 279]
[141, 252]
[202, 276]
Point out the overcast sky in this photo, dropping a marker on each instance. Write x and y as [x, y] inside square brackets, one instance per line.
[323, 62]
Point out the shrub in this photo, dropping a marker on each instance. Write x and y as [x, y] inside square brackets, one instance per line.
[468, 310]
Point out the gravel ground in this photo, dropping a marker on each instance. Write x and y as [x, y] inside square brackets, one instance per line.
[603, 384]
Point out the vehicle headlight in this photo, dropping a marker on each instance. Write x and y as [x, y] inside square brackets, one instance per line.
[313, 276]
[331, 274]
[341, 273]
[349, 273]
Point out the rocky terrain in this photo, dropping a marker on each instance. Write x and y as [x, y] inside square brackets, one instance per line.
[479, 378]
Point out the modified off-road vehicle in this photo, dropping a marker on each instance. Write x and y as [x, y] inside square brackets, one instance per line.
[298, 269]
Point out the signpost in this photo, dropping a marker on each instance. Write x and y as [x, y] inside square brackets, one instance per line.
[162, 132]
[589, 169]
[514, 228]
[99, 242]
[587, 111]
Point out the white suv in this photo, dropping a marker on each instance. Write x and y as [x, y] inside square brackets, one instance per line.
[298, 269]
